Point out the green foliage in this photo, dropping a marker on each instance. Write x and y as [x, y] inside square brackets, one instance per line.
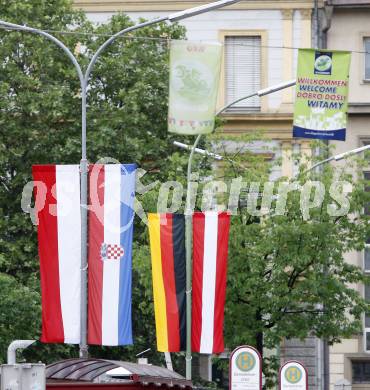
[288, 277]
[282, 268]
[17, 302]
[40, 123]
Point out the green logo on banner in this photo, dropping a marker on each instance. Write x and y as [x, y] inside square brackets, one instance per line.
[245, 361]
[323, 64]
[293, 374]
[192, 86]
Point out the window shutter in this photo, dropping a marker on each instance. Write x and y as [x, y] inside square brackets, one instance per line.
[242, 70]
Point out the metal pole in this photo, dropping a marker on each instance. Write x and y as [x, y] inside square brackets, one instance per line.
[337, 157]
[188, 243]
[317, 24]
[114, 37]
[84, 81]
[83, 171]
[84, 184]
[189, 226]
[188, 247]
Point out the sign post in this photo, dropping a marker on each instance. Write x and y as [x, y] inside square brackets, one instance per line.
[293, 376]
[245, 369]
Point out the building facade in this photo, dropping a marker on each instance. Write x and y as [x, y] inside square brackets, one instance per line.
[349, 29]
[254, 33]
[261, 40]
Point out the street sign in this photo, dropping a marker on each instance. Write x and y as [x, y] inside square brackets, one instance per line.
[245, 369]
[293, 376]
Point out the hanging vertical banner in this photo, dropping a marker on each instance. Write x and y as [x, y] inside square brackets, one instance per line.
[111, 217]
[59, 238]
[293, 376]
[321, 103]
[167, 245]
[194, 79]
[245, 369]
[210, 252]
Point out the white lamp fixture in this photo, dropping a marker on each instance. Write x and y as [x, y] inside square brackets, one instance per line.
[198, 150]
[200, 10]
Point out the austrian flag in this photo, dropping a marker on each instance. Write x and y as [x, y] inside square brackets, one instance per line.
[59, 234]
[210, 249]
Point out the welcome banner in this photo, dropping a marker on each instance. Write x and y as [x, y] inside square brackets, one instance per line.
[321, 94]
[194, 79]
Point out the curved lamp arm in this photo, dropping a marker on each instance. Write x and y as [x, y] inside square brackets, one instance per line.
[18, 27]
[114, 37]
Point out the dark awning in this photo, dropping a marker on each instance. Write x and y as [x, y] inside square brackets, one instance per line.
[89, 370]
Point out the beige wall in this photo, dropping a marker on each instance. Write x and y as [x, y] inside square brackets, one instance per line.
[342, 354]
[281, 23]
[164, 5]
[346, 33]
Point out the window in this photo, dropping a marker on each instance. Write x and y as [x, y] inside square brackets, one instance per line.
[367, 257]
[367, 270]
[366, 155]
[367, 316]
[242, 71]
[367, 58]
[361, 371]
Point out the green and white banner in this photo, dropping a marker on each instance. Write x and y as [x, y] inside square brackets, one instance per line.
[194, 79]
[321, 94]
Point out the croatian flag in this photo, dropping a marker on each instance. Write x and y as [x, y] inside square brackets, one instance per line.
[210, 251]
[111, 216]
[57, 193]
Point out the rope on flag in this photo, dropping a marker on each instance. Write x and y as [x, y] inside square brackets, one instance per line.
[167, 243]
[210, 251]
[59, 240]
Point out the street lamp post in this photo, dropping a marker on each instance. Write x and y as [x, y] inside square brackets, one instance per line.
[325, 350]
[189, 211]
[84, 81]
[338, 157]
[203, 152]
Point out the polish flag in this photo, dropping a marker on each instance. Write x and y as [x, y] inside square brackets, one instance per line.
[59, 235]
[210, 250]
[112, 194]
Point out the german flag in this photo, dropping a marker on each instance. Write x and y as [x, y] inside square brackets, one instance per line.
[167, 244]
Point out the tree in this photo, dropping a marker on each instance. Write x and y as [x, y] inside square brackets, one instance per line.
[40, 124]
[277, 270]
[16, 303]
[287, 275]
[287, 271]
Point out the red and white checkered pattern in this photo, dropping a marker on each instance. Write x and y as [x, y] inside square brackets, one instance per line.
[114, 252]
